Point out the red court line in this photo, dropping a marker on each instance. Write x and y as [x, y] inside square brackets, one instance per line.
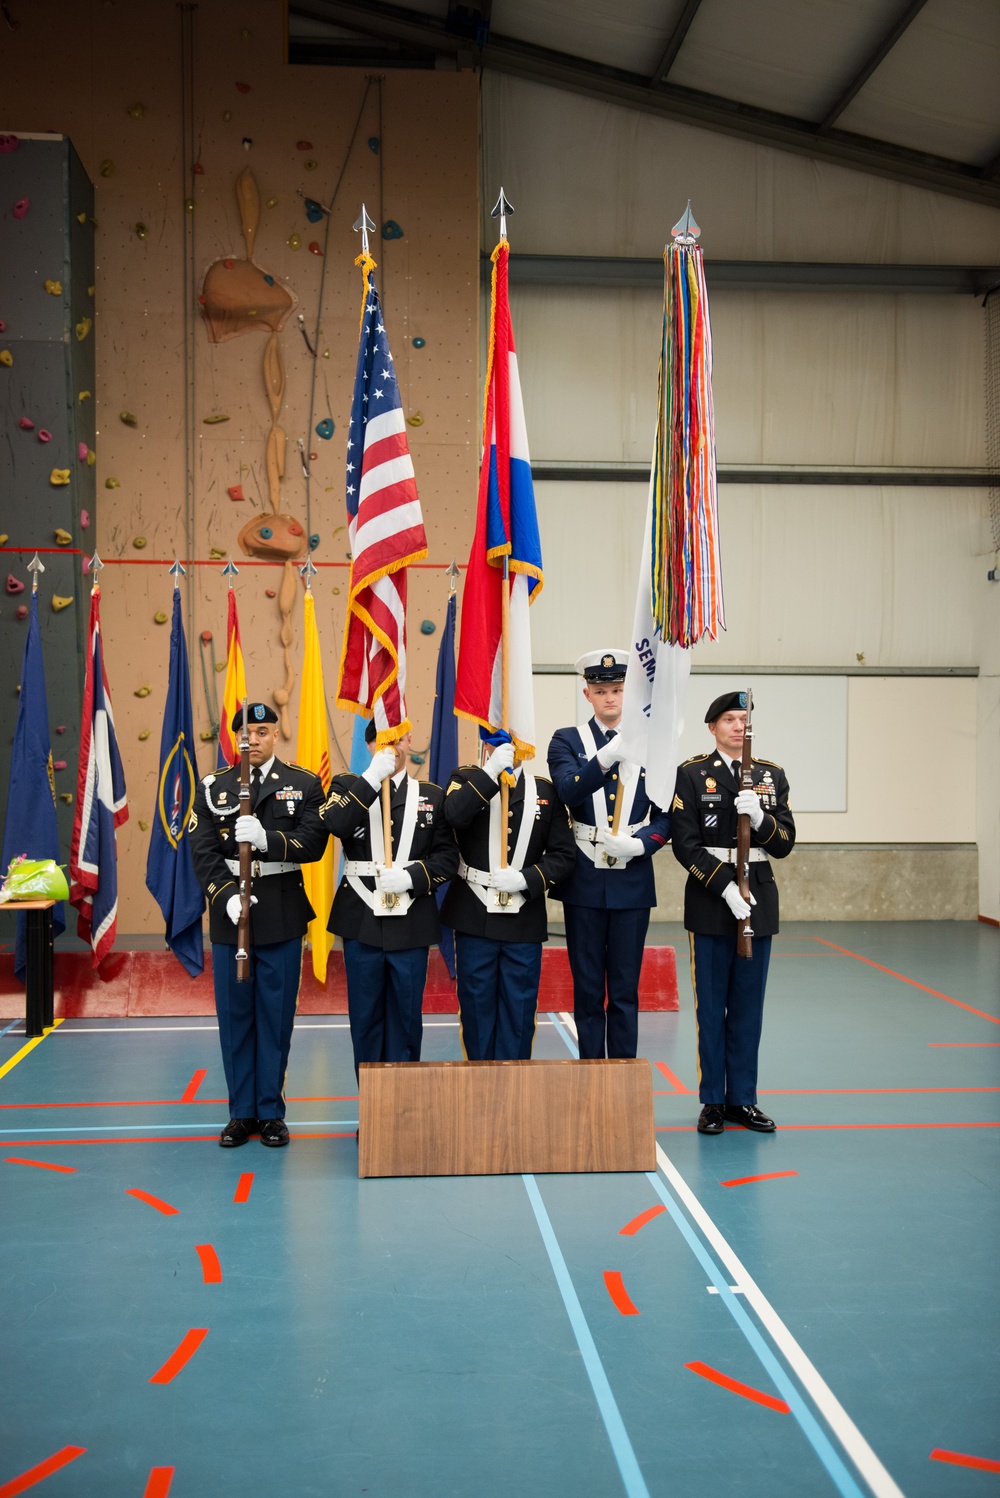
[631, 1228]
[863, 1091]
[936, 1044]
[211, 1269]
[159, 1482]
[616, 1289]
[911, 981]
[687, 1128]
[172, 1102]
[243, 1187]
[190, 1091]
[747, 1391]
[189, 1345]
[153, 1201]
[774, 1175]
[161, 1139]
[67, 1170]
[675, 1081]
[44, 1469]
[956, 1458]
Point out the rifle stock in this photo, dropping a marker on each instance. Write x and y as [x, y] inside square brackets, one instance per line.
[744, 935]
[246, 862]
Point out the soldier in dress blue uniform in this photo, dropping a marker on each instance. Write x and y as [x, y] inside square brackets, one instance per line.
[498, 914]
[284, 827]
[729, 990]
[388, 917]
[608, 896]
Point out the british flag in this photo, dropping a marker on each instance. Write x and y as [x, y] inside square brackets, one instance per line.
[386, 532]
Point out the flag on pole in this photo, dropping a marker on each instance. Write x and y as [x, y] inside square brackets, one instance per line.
[443, 756]
[30, 826]
[170, 876]
[386, 532]
[679, 599]
[313, 753]
[506, 535]
[234, 690]
[101, 803]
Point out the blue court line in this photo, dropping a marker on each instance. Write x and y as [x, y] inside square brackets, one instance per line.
[8, 1028]
[635, 1486]
[306, 1123]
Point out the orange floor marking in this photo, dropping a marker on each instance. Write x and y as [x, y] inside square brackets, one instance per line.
[190, 1091]
[153, 1201]
[956, 1458]
[44, 1469]
[862, 1091]
[631, 1228]
[211, 1269]
[936, 1044]
[746, 1391]
[615, 1287]
[911, 981]
[67, 1170]
[675, 1081]
[189, 1345]
[243, 1187]
[159, 1482]
[159, 1139]
[682, 1128]
[774, 1175]
[172, 1102]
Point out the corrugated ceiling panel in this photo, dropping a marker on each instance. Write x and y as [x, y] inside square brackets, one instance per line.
[629, 36]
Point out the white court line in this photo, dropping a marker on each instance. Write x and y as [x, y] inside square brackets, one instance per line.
[135, 1027]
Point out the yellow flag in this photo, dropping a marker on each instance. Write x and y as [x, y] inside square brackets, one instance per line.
[234, 690]
[313, 753]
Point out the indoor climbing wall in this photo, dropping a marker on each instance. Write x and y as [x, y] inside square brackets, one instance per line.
[173, 110]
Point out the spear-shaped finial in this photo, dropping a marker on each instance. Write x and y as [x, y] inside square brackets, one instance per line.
[35, 566]
[686, 231]
[230, 570]
[500, 210]
[177, 572]
[94, 566]
[307, 572]
[365, 226]
[453, 576]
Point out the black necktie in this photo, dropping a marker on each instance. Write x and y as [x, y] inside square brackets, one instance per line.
[254, 787]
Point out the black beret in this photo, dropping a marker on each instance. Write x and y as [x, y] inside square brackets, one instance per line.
[729, 702]
[370, 731]
[257, 712]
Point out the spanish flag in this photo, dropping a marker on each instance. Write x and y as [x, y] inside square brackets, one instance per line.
[234, 690]
[313, 753]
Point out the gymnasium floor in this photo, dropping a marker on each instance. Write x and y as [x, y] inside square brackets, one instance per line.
[813, 1312]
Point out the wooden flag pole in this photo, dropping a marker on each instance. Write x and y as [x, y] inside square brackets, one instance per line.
[387, 821]
[504, 702]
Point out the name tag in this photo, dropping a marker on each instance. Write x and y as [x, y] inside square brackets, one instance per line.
[706, 797]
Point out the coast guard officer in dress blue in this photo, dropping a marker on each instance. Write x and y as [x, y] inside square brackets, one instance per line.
[608, 896]
[256, 1017]
[729, 990]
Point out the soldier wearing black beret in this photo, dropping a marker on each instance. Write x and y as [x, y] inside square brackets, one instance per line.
[284, 827]
[729, 990]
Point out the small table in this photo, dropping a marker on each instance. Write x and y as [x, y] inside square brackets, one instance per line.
[38, 1014]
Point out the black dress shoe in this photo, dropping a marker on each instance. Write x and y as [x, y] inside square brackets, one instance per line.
[751, 1118]
[237, 1132]
[273, 1132]
[710, 1119]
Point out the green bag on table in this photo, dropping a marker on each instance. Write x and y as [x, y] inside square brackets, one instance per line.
[34, 879]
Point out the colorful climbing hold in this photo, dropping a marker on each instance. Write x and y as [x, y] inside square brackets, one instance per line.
[142, 691]
[373, 144]
[81, 451]
[141, 232]
[85, 520]
[269, 280]
[67, 797]
[81, 218]
[325, 428]
[270, 593]
[294, 242]
[311, 165]
[136, 111]
[271, 203]
[143, 826]
[314, 247]
[107, 168]
[54, 288]
[44, 435]
[58, 604]
[22, 611]
[213, 421]
[21, 207]
[189, 205]
[58, 764]
[391, 230]
[91, 457]
[84, 395]
[61, 537]
[314, 211]
[14, 584]
[59, 476]
[144, 736]
[229, 264]
[243, 88]
[247, 142]
[206, 637]
[416, 420]
[128, 418]
[313, 457]
[427, 626]
[227, 114]
[313, 542]
[61, 728]
[83, 327]
[138, 542]
[303, 145]
[159, 617]
[26, 424]
[8, 143]
[419, 342]
[220, 667]
[216, 555]
[6, 357]
[4, 538]
[198, 169]
[235, 491]
[110, 483]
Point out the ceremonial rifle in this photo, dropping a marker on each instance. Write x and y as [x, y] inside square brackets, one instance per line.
[246, 859]
[744, 945]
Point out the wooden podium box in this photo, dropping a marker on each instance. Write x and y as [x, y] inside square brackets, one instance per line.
[451, 1118]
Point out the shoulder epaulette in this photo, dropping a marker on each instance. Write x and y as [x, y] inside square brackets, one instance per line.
[291, 765]
[696, 759]
[432, 783]
[772, 762]
[544, 779]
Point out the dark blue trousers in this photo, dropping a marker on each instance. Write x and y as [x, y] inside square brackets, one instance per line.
[728, 1011]
[605, 956]
[255, 1024]
[497, 996]
[385, 994]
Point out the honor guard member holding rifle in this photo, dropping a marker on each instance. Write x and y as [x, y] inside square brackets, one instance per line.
[608, 896]
[387, 916]
[498, 913]
[284, 828]
[728, 989]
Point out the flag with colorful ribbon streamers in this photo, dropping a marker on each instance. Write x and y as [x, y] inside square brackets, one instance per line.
[386, 532]
[506, 549]
[234, 690]
[313, 753]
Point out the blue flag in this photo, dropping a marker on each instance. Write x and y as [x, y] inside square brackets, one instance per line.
[31, 800]
[443, 755]
[169, 868]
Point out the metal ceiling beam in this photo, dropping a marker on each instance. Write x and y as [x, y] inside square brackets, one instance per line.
[805, 475]
[879, 55]
[691, 107]
[675, 42]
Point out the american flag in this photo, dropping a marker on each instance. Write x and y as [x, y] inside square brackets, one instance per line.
[386, 532]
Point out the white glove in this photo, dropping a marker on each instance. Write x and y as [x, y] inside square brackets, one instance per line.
[748, 805]
[608, 754]
[510, 881]
[383, 764]
[249, 830]
[393, 881]
[735, 901]
[501, 759]
[233, 907]
[622, 845]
